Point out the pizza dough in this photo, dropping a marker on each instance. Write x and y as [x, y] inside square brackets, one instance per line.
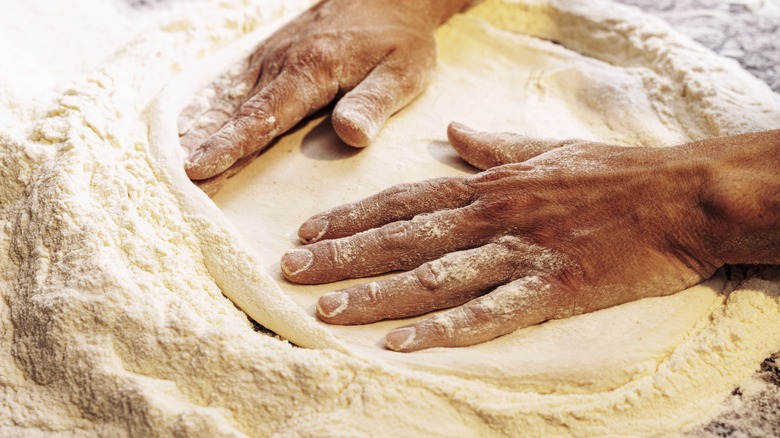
[125, 289]
[497, 81]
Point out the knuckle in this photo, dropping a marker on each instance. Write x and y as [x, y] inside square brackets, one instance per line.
[430, 275]
[395, 236]
[511, 243]
[365, 100]
[549, 296]
[373, 292]
[568, 279]
[399, 190]
[498, 174]
[501, 211]
[341, 252]
[517, 252]
[572, 144]
[473, 319]
[443, 327]
[254, 109]
[313, 54]
[223, 139]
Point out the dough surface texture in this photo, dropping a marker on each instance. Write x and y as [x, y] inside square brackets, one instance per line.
[126, 290]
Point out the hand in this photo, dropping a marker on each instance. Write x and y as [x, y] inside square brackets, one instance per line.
[571, 227]
[379, 55]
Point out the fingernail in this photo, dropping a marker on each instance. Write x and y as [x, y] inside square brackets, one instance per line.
[354, 128]
[208, 160]
[332, 304]
[296, 261]
[367, 125]
[455, 126]
[194, 156]
[313, 230]
[401, 339]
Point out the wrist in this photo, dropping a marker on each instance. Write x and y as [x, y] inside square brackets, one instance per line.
[683, 176]
[741, 196]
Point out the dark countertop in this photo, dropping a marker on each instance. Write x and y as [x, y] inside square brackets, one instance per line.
[745, 30]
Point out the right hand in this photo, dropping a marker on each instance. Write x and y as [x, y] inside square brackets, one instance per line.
[552, 229]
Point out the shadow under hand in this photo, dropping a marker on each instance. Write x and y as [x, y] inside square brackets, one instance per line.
[322, 143]
[442, 152]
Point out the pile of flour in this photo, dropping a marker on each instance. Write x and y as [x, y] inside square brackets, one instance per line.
[126, 290]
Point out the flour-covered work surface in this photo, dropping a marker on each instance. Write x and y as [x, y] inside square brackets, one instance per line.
[128, 293]
[744, 30]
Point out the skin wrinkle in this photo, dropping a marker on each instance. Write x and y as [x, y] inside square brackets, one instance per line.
[451, 281]
[224, 95]
[563, 228]
[388, 87]
[374, 289]
[532, 201]
[377, 58]
[397, 203]
[342, 252]
[431, 274]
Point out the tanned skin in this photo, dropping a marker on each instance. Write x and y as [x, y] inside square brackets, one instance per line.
[549, 229]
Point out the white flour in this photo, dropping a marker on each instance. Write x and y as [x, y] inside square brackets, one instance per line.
[114, 271]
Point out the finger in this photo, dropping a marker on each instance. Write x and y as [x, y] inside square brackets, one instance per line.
[212, 185]
[449, 281]
[519, 304]
[280, 105]
[215, 104]
[401, 202]
[400, 245]
[360, 114]
[484, 150]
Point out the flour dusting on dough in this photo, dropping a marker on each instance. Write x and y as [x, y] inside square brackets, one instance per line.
[122, 283]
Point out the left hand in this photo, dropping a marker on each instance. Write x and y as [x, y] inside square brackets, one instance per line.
[372, 57]
[571, 227]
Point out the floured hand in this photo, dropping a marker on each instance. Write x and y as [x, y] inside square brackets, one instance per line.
[379, 55]
[570, 227]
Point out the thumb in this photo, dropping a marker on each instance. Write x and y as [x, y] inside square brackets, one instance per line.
[484, 150]
[360, 114]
